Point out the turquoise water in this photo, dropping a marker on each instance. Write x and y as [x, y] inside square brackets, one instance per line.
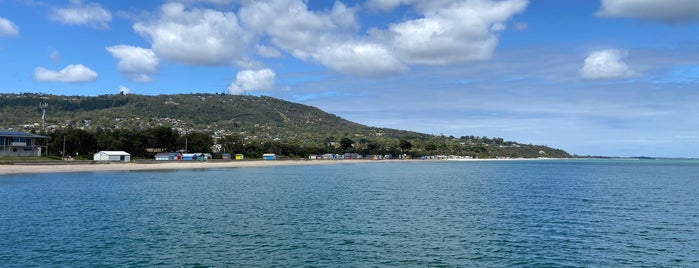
[478, 214]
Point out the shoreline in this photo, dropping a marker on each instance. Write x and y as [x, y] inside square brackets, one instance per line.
[65, 167]
[61, 167]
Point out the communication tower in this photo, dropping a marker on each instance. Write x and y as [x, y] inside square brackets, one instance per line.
[43, 107]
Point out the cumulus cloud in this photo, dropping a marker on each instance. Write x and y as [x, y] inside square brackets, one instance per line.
[253, 80]
[124, 90]
[8, 28]
[363, 59]
[78, 13]
[138, 64]
[294, 28]
[606, 64]
[449, 31]
[70, 74]
[386, 4]
[216, 2]
[665, 11]
[268, 52]
[446, 32]
[453, 31]
[196, 36]
[327, 37]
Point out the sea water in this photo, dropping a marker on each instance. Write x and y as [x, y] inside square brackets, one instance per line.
[542, 213]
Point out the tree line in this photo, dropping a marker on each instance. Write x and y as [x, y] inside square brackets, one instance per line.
[146, 143]
[139, 143]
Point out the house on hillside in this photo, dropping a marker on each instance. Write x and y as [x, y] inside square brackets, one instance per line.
[168, 156]
[20, 143]
[119, 156]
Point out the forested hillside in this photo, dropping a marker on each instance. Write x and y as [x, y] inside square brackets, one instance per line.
[227, 123]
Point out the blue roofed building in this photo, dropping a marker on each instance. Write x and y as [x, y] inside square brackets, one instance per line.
[14, 143]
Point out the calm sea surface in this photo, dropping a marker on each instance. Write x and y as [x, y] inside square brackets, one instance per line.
[558, 213]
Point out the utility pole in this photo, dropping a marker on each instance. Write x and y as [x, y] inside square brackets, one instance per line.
[43, 107]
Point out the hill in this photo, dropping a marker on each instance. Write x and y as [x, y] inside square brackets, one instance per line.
[235, 121]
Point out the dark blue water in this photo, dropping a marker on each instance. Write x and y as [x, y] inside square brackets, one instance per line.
[479, 214]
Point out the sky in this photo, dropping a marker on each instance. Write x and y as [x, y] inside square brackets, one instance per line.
[592, 77]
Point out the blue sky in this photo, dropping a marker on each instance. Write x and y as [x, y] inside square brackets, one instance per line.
[593, 77]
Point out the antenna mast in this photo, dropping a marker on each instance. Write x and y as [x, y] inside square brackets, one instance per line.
[43, 107]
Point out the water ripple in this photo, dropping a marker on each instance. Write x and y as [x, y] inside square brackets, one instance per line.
[432, 214]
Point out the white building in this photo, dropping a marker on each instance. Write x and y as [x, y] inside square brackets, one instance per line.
[14, 143]
[112, 156]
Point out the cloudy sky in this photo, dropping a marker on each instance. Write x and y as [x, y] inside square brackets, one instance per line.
[593, 77]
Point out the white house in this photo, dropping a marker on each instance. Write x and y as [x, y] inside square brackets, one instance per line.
[112, 156]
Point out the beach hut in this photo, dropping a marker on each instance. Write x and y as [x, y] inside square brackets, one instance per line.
[190, 157]
[120, 156]
[239, 156]
[269, 156]
[168, 156]
[226, 156]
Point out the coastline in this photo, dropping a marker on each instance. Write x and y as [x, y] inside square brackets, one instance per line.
[66, 167]
[60, 167]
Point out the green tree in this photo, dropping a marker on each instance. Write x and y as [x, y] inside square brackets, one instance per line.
[346, 144]
[232, 144]
[76, 141]
[405, 145]
[163, 137]
[199, 142]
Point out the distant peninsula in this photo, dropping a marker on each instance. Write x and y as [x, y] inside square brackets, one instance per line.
[235, 124]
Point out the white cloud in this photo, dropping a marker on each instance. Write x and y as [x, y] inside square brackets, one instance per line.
[665, 10]
[8, 28]
[268, 52]
[215, 2]
[124, 90]
[386, 4]
[453, 31]
[135, 62]
[195, 36]
[326, 37]
[363, 59]
[297, 30]
[253, 80]
[70, 74]
[606, 64]
[90, 14]
[449, 32]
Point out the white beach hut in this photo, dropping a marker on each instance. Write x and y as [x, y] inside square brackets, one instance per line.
[120, 156]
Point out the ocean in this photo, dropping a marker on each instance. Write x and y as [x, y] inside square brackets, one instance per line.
[538, 213]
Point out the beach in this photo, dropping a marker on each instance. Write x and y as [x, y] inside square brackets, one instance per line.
[92, 166]
[63, 167]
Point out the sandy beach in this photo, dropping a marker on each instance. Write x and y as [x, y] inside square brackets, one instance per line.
[59, 167]
[62, 167]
